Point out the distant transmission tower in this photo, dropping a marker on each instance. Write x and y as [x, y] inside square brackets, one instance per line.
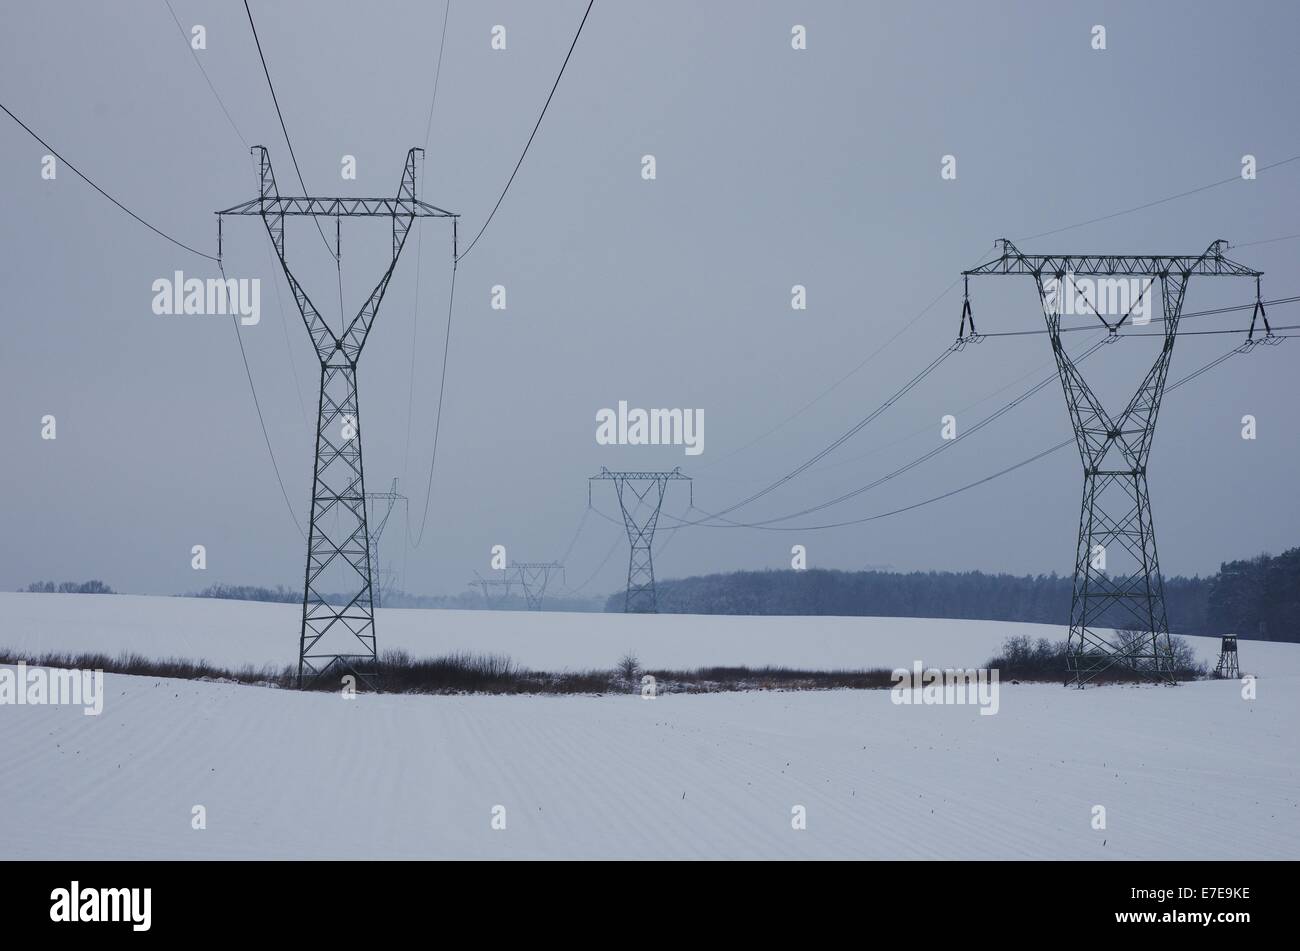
[641, 597]
[534, 577]
[496, 591]
[381, 506]
[1115, 525]
[338, 635]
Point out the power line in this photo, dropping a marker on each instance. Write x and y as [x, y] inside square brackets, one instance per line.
[437, 72]
[1200, 313]
[180, 244]
[609, 554]
[928, 428]
[199, 63]
[498, 203]
[276, 100]
[1251, 244]
[1235, 308]
[949, 288]
[907, 508]
[419, 258]
[766, 524]
[457, 257]
[537, 126]
[821, 455]
[1197, 333]
[604, 561]
[852, 431]
[947, 444]
[252, 387]
[260, 419]
[289, 142]
[834, 386]
[84, 177]
[672, 532]
[1158, 201]
[437, 422]
[970, 485]
[907, 467]
[581, 522]
[293, 369]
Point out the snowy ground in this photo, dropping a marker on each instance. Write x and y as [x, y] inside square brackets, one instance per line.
[1191, 771]
[1183, 772]
[234, 633]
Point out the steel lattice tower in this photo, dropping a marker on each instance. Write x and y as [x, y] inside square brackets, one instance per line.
[490, 585]
[641, 597]
[1116, 513]
[375, 528]
[337, 635]
[534, 577]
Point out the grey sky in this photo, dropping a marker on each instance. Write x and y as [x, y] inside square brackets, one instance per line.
[775, 167]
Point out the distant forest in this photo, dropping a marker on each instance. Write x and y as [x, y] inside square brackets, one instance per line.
[1257, 598]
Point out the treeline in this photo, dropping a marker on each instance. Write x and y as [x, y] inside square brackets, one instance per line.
[248, 592]
[1257, 598]
[69, 587]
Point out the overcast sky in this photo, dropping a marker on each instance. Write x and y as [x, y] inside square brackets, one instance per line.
[775, 167]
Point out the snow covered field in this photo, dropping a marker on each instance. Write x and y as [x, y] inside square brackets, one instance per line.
[234, 633]
[1183, 772]
[1192, 771]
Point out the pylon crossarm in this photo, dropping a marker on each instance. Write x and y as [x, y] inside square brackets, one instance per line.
[337, 208]
[673, 474]
[270, 202]
[1209, 262]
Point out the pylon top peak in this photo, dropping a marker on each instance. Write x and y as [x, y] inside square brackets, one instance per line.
[270, 202]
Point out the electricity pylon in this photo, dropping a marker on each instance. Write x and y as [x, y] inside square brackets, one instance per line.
[490, 587]
[375, 522]
[641, 597]
[534, 577]
[337, 635]
[1116, 515]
